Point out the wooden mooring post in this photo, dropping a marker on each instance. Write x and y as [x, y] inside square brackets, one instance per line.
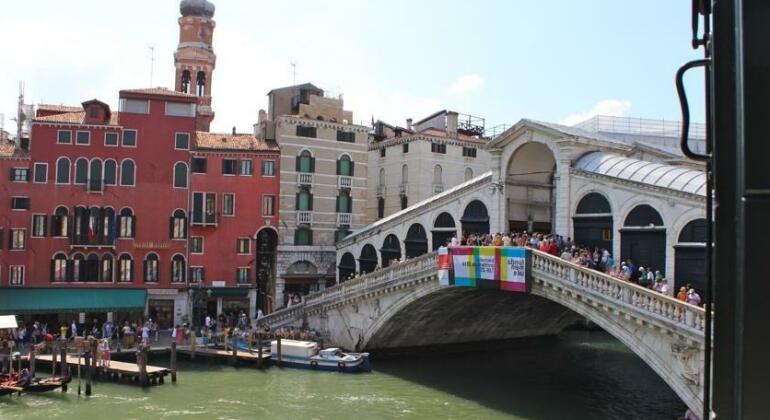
[65, 369]
[259, 351]
[278, 347]
[87, 361]
[173, 362]
[235, 353]
[54, 355]
[141, 362]
[192, 345]
[32, 361]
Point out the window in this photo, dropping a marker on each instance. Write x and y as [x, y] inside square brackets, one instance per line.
[78, 268]
[268, 205]
[468, 174]
[204, 208]
[81, 171]
[82, 137]
[196, 245]
[198, 165]
[180, 175]
[304, 201]
[382, 152]
[245, 167]
[437, 174]
[305, 162]
[438, 147]
[404, 174]
[129, 138]
[64, 137]
[304, 131]
[197, 275]
[41, 173]
[95, 176]
[380, 208]
[404, 202]
[469, 152]
[151, 268]
[182, 141]
[106, 275]
[228, 204]
[242, 275]
[268, 168]
[242, 245]
[178, 269]
[59, 268]
[345, 166]
[20, 203]
[346, 136]
[16, 275]
[180, 109]
[405, 148]
[229, 166]
[200, 80]
[303, 236]
[178, 225]
[19, 174]
[126, 223]
[38, 225]
[60, 222]
[110, 172]
[127, 173]
[340, 234]
[111, 139]
[125, 269]
[63, 171]
[93, 112]
[344, 203]
[135, 106]
[18, 239]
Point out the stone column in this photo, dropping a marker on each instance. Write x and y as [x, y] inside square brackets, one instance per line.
[561, 206]
[279, 288]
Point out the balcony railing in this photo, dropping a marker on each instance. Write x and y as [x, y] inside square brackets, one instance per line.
[403, 188]
[344, 219]
[305, 179]
[438, 188]
[204, 219]
[380, 190]
[344, 182]
[304, 217]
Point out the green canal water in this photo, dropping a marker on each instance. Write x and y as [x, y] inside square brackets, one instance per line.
[577, 375]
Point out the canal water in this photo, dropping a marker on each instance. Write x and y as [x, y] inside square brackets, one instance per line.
[577, 375]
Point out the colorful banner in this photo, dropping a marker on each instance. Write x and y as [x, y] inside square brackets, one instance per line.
[486, 267]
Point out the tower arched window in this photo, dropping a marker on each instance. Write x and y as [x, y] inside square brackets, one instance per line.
[106, 274]
[305, 162]
[127, 172]
[126, 222]
[180, 175]
[185, 82]
[60, 222]
[201, 81]
[63, 171]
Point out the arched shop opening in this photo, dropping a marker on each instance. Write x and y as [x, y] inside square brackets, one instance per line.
[690, 256]
[593, 222]
[529, 189]
[416, 242]
[368, 259]
[643, 239]
[391, 250]
[475, 218]
[443, 230]
[347, 266]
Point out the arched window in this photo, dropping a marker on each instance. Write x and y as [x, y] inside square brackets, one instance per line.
[59, 268]
[108, 225]
[344, 203]
[106, 274]
[95, 175]
[151, 268]
[468, 174]
[304, 201]
[126, 223]
[404, 174]
[178, 270]
[382, 177]
[127, 172]
[643, 215]
[437, 174]
[180, 175]
[78, 267]
[93, 227]
[125, 269]
[178, 228]
[62, 170]
[303, 236]
[60, 223]
[110, 172]
[92, 268]
[345, 166]
[201, 80]
[81, 171]
[185, 82]
[305, 162]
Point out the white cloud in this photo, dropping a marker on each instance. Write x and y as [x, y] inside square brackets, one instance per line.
[610, 107]
[466, 84]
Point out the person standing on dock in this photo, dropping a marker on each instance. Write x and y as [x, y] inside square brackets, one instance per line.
[73, 330]
[105, 349]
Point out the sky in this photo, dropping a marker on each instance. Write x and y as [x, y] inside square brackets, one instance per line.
[554, 60]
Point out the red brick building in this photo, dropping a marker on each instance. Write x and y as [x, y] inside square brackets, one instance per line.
[139, 200]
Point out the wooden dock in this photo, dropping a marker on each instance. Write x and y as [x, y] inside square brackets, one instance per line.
[227, 355]
[155, 375]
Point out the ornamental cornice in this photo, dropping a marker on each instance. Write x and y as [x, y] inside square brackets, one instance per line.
[233, 153]
[433, 139]
[640, 186]
[323, 124]
[75, 125]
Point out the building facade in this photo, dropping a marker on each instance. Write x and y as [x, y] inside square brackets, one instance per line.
[411, 164]
[323, 184]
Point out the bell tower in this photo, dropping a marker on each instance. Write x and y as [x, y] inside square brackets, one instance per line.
[194, 58]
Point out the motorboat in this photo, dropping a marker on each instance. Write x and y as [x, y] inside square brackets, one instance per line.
[307, 355]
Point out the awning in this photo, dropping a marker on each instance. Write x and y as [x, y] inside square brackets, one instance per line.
[48, 300]
[8, 321]
[229, 292]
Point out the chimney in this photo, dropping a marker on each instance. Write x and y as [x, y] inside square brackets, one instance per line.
[409, 124]
[262, 116]
[451, 124]
[233, 130]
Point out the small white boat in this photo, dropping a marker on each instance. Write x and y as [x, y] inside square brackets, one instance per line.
[305, 354]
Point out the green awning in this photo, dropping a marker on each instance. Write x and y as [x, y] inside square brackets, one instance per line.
[229, 292]
[49, 300]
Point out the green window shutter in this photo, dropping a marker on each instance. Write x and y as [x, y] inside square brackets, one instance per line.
[309, 237]
[310, 202]
[296, 201]
[338, 204]
[312, 164]
[298, 163]
[351, 167]
[339, 167]
[296, 237]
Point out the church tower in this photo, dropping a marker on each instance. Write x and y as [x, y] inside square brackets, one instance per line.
[194, 58]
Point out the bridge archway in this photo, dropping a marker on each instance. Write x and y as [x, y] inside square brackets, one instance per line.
[416, 241]
[593, 222]
[347, 266]
[529, 186]
[475, 218]
[368, 259]
[690, 256]
[443, 229]
[643, 239]
[391, 250]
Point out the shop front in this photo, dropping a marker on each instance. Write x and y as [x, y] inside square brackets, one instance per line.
[160, 306]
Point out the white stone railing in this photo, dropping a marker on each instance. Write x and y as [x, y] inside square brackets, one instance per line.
[304, 217]
[304, 178]
[344, 182]
[396, 273]
[545, 266]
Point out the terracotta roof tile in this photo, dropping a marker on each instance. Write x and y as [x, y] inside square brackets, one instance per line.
[58, 108]
[221, 141]
[7, 149]
[159, 91]
[72, 118]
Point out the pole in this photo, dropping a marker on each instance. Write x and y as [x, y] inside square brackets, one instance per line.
[78, 371]
[235, 352]
[54, 355]
[87, 357]
[145, 356]
[278, 347]
[173, 361]
[259, 351]
[32, 361]
[192, 345]
[64, 366]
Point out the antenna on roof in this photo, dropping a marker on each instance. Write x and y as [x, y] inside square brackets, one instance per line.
[293, 72]
[151, 47]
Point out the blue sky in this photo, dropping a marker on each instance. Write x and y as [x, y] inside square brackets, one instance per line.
[558, 61]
